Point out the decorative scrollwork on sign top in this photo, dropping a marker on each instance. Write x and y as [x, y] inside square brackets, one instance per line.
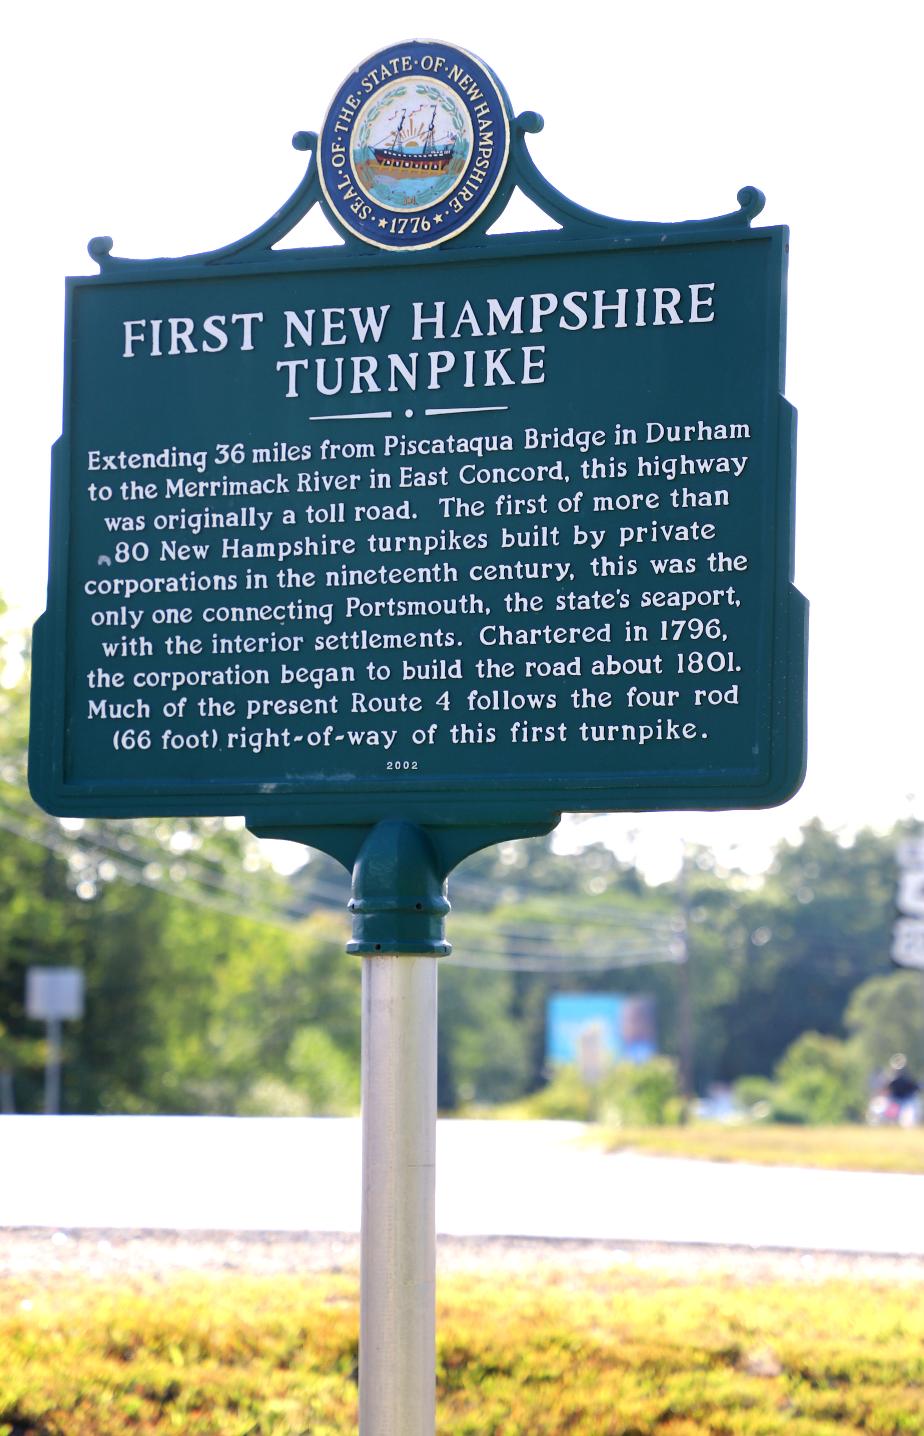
[522, 173]
[574, 218]
[254, 246]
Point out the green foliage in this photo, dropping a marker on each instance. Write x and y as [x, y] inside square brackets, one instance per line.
[328, 1076]
[191, 1005]
[629, 1094]
[754, 1096]
[485, 1047]
[566, 1098]
[188, 1007]
[817, 1082]
[792, 948]
[885, 1015]
[643, 1094]
[630, 1352]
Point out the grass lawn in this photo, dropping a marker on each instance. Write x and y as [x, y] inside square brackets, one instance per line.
[861, 1149]
[624, 1351]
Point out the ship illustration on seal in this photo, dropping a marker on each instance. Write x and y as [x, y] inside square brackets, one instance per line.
[406, 156]
[412, 143]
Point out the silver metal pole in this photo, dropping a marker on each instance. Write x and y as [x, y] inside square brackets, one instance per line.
[53, 1066]
[397, 1341]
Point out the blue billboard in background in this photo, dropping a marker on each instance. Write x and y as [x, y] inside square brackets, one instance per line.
[594, 1030]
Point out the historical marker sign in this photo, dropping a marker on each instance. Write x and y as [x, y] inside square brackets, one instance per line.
[403, 546]
[497, 527]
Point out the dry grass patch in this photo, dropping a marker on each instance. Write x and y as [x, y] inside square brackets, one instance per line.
[858, 1149]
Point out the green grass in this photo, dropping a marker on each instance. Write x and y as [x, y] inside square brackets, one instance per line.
[860, 1149]
[619, 1353]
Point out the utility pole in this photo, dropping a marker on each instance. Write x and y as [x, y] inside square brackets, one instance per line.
[685, 1004]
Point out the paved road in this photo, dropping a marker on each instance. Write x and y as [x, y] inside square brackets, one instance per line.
[534, 1179]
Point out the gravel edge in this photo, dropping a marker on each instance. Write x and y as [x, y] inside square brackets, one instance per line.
[46, 1256]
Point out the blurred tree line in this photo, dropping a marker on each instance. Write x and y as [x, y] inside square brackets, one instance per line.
[215, 985]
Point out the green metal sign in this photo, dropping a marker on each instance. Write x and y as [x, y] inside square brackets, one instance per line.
[461, 531]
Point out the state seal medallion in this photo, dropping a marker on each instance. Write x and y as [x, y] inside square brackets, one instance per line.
[414, 145]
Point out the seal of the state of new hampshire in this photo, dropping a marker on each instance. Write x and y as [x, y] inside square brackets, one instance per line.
[414, 145]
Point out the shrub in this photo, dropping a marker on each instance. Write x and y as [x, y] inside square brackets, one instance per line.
[817, 1082]
[644, 1094]
[755, 1096]
[566, 1098]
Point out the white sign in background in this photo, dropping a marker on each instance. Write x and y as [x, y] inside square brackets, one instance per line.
[54, 994]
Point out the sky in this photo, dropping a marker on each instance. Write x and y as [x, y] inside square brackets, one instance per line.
[168, 126]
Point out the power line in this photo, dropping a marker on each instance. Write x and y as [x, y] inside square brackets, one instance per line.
[573, 962]
[620, 940]
[135, 874]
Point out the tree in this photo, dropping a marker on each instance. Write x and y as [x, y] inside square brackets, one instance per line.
[797, 945]
[484, 1046]
[885, 1016]
[196, 981]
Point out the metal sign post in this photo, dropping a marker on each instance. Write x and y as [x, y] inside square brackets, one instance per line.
[399, 907]
[397, 1339]
[404, 546]
[53, 1066]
